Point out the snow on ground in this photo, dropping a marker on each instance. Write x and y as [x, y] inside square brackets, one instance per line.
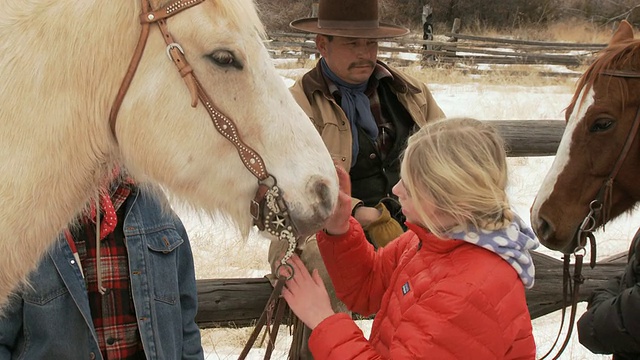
[219, 254]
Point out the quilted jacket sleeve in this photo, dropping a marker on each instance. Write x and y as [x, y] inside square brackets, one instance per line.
[360, 274]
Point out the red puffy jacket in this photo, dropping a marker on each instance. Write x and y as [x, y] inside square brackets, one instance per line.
[433, 299]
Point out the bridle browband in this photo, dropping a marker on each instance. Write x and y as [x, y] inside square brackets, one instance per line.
[598, 208]
[268, 208]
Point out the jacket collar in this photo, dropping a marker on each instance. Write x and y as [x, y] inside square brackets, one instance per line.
[313, 81]
[433, 243]
[513, 244]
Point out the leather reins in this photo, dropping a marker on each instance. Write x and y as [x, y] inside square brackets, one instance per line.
[598, 208]
[268, 208]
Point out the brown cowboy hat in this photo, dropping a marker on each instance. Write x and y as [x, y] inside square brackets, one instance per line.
[349, 18]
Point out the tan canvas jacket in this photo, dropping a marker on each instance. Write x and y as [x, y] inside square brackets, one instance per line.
[312, 94]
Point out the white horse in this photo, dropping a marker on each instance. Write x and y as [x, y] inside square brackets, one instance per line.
[62, 63]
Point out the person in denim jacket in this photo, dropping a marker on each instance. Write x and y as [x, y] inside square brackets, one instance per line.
[135, 298]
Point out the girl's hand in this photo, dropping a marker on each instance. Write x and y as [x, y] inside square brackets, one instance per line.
[306, 294]
[338, 222]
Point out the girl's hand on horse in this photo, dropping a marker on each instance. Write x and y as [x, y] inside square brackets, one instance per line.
[306, 294]
[338, 222]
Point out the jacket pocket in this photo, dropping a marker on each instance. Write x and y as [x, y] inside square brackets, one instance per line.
[44, 284]
[163, 256]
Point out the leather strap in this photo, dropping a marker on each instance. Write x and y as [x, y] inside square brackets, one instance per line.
[276, 305]
[273, 334]
[168, 11]
[297, 341]
[570, 286]
[251, 160]
[131, 71]
[257, 204]
[634, 127]
[621, 73]
[227, 128]
[147, 16]
[565, 290]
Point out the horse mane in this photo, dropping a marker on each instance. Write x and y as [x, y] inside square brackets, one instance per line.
[618, 56]
[239, 11]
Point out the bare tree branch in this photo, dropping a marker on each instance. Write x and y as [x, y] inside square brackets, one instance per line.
[624, 15]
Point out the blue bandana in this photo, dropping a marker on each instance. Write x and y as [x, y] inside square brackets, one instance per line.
[356, 107]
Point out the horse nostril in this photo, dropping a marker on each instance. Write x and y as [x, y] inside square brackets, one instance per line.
[543, 228]
[323, 193]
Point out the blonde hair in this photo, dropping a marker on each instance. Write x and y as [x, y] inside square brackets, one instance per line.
[459, 166]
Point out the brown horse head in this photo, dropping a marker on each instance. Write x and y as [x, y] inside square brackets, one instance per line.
[600, 146]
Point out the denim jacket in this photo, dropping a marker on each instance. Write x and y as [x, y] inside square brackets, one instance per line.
[50, 317]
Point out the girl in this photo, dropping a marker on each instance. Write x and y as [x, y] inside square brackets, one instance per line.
[453, 285]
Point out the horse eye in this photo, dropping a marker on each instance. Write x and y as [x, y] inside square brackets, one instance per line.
[601, 125]
[225, 58]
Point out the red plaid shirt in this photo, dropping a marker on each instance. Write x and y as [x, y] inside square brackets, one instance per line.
[113, 313]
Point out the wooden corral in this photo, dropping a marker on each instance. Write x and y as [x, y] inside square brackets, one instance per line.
[239, 302]
[457, 49]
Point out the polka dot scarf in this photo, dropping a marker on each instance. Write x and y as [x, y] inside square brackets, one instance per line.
[511, 243]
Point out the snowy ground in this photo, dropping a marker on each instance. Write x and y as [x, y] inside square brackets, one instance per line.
[219, 254]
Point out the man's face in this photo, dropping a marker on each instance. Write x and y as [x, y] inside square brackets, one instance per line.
[351, 59]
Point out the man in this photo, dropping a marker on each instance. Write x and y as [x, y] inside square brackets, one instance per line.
[365, 110]
[133, 296]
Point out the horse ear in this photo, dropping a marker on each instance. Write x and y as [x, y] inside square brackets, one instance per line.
[624, 32]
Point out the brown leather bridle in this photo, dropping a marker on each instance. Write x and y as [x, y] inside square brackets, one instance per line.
[268, 208]
[598, 208]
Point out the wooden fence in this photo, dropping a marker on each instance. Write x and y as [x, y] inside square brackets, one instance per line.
[239, 302]
[456, 49]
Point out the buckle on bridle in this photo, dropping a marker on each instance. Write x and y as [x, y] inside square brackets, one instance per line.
[174, 46]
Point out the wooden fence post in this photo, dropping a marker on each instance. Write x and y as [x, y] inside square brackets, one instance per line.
[455, 29]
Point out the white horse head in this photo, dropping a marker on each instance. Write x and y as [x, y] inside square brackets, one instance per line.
[62, 64]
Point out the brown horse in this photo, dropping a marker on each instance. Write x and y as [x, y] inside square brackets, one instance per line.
[594, 177]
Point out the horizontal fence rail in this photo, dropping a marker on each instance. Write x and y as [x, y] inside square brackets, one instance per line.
[239, 302]
[458, 49]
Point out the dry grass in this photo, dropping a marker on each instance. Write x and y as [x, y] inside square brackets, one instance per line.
[573, 30]
[577, 31]
[526, 75]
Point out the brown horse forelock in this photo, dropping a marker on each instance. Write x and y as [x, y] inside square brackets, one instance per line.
[620, 56]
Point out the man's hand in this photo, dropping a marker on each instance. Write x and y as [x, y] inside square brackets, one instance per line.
[366, 215]
[384, 229]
